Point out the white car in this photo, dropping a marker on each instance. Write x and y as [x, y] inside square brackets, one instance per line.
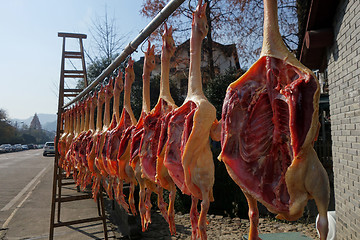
[49, 148]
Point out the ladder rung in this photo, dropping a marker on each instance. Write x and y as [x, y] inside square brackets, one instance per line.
[73, 198]
[74, 71]
[64, 177]
[70, 95]
[72, 53]
[73, 76]
[71, 35]
[69, 54]
[60, 224]
[67, 183]
[73, 90]
[73, 56]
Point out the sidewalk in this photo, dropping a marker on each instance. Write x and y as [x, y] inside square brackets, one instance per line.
[32, 219]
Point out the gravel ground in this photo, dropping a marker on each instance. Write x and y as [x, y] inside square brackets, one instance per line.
[219, 227]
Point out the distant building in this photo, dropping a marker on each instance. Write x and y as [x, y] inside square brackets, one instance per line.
[35, 123]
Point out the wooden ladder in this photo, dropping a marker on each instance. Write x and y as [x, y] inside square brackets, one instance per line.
[72, 73]
[58, 172]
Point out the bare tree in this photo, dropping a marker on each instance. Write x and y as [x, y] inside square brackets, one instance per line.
[106, 44]
[231, 21]
[107, 40]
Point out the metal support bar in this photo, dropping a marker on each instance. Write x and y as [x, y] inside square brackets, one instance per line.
[155, 23]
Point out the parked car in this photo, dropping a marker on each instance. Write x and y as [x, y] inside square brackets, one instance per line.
[49, 148]
[31, 146]
[7, 147]
[4, 148]
[18, 147]
[25, 147]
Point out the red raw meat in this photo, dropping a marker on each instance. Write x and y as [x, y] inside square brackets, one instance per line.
[188, 157]
[150, 140]
[151, 163]
[136, 136]
[260, 136]
[178, 130]
[269, 125]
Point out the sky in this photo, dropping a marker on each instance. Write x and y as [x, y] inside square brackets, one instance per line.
[30, 50]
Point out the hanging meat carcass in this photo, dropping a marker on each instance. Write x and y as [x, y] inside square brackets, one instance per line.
[91, 146]
[113, 139]
[118, 144]
[269, 125]
[188, 156]
[126, 173]
[99, 160]
[162, 176]
[118, 87]
[90, 126]
[152, 129]
[72, 155]
[68, 139]
[62, 139]
[136, 136]
[100, 143]
[114, 136]
[71, 138]
[78, 144]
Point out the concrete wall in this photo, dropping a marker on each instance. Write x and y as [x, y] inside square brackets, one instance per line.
[344, 87]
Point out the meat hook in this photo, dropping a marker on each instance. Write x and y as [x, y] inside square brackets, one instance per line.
[190, 8]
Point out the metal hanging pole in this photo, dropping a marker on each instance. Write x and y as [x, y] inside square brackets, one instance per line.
[155, 23]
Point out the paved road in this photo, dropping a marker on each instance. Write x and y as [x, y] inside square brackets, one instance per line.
[20, 172]
[25, 200]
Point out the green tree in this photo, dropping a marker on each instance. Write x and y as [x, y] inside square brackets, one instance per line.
[8, 133]
[3, 115]
[28, 138]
